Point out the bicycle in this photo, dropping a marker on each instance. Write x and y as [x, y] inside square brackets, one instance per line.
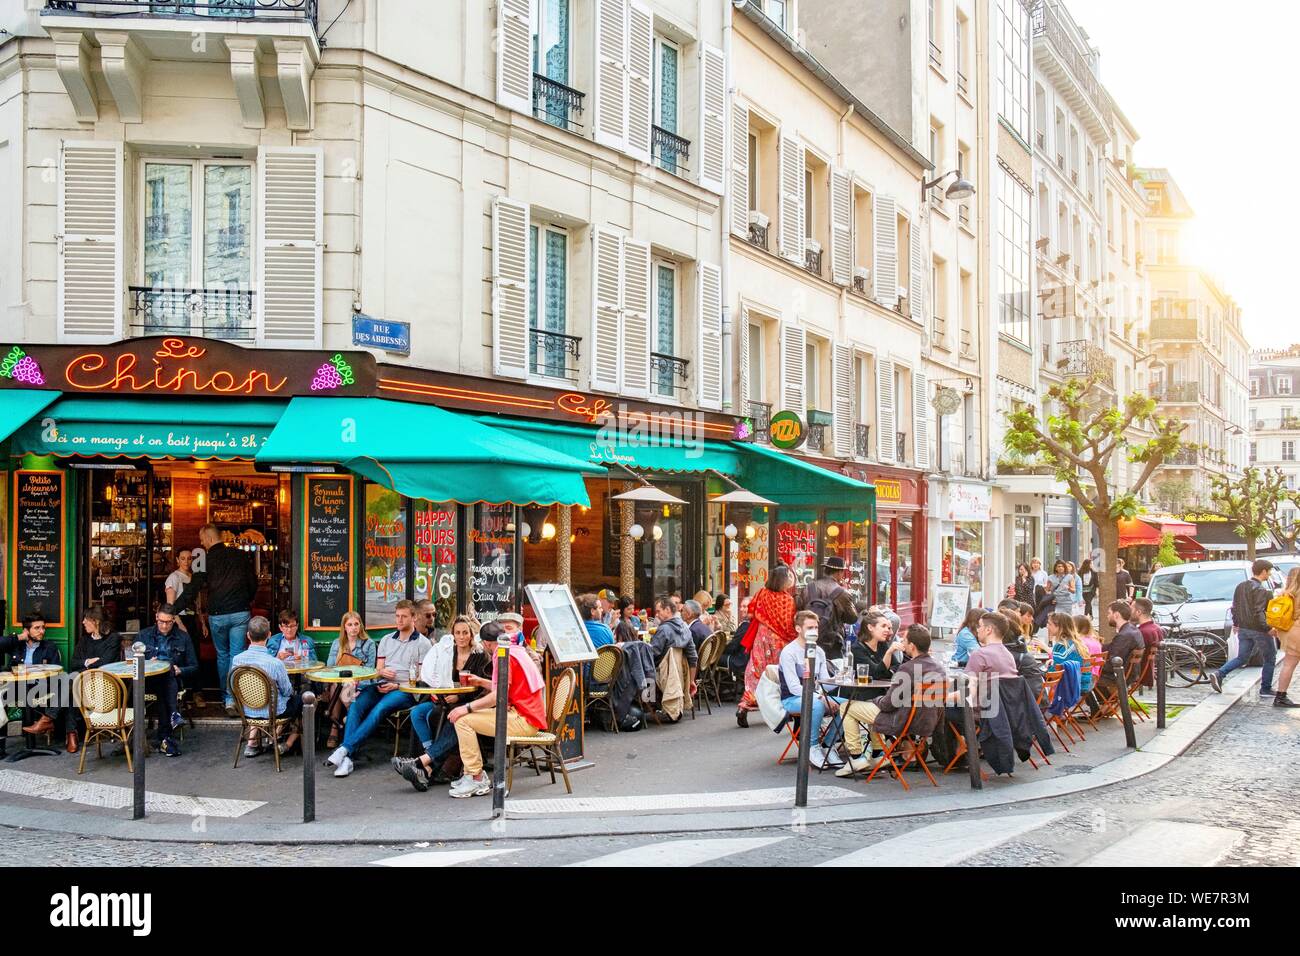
[1191, 656]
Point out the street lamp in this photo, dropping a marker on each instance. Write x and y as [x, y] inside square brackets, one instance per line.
[961, 187]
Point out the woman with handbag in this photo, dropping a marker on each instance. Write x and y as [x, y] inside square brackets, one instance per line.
[771, 628]
[353, 648]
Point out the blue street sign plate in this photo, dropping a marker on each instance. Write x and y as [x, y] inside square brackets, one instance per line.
[389, 336]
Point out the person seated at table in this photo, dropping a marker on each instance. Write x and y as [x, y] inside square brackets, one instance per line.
[1127, 641]
[589, 608]
[705, 600]
[426, 619]
[456, 653]
[30, 648]
[398, 654]
[608, 601]
[670, 633]
[887, 715]
[525, 710]
[289, 642]
[723, 620]
[98, 644]
[628, 627]
[992, 657]
[966, 640]
[1066, 646]
[875, 649]
[694, 618]
[288, 704]
[166, 640]
[792, 666]
[1083, 628]
[352, 648]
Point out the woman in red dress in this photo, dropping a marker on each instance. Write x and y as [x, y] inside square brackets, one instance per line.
[771, 628]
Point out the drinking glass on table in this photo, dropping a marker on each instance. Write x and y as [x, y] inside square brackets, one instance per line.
[864, 674]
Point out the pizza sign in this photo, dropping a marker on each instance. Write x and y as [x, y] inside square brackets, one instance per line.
[786, 430]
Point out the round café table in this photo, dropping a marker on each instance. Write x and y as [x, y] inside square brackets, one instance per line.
[333, 675]
[421, 690]
[26, 674]
[126, 669]
[297, 666]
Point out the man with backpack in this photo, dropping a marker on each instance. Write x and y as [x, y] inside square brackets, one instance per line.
[1249, 612]
[827, 597]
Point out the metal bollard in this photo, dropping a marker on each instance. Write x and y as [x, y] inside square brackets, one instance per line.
[138, 732]
[1130, 738]
[805, 726]
[308, 757]
[1162, 675]
[969, 732]
[499, 758]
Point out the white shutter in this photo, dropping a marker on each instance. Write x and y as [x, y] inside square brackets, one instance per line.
[609, 108]
[606, 311]
[885, 440]
[841, 226]
[640, 70]
[289, 294]
[636, 318]
[842, 373]
[739, 169]
[920, 420]
[708, 282]
[713, 118]
[510, 345]
[792, 369]
[743, 359]
[885, 235]
[917, 279]
[90, 242]
[791, 226]
[515, 55]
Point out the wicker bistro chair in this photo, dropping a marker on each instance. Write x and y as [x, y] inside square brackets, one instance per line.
[548, 740]
[102, 698]
[604, 672]
[710, 653]
[253, 690]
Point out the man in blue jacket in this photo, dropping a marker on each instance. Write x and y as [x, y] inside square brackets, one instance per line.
[167, 641]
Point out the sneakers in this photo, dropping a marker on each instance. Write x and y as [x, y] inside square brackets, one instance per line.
[858, 764]
[252, 750]
[412, 770]
[1267, 693]
[1216, 682]
[468, 786]
[232, 710]
[345, 767]
[337, 757]
[169, 749]
[833, 759]
[1280, 699]
[177, 719]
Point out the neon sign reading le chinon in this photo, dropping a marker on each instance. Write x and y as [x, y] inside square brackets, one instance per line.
[92, 372]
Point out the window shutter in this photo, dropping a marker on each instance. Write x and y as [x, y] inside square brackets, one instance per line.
[609, 123]
[510, 345]
[841, 226]
[792, 369]
[636, 318]
[740, 169]
[885, 235]
[713, 118]
[289, 294]
[917, 279]
[708, 282]
[743, 358]
[90, 242]
[792, 199]
[640, 69]
[885, 440]
[842, 372]
[920, 419]
[515, 55]
[606, 311]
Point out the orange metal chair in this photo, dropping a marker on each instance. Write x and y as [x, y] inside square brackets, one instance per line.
[914, 746]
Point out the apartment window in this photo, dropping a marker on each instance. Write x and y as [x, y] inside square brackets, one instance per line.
[1288, 451]
[1013, 257]
[808, 203]
[1044, 213]
[753, 170]
[1090, 172]
[967, 304]
[665, 327]
[1123, 233]
[1074, 154]
[811, 380]
[777, 11]
[1254, 391]
[934, 144]
[666, 96]
[197, 235]
[863, 396]
[1284, 385]
[932, 32]
[548, 269]
[1058, 141]
[754, 386]
[862, 240]
[939, 296]
[551, 39]
[1166, 246]
[1040, 117]
[1013, 65]
[1254, 452]
[961, 56]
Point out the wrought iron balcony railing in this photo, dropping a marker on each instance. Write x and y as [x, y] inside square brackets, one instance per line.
[668, 373]
[300, 10]
[812, 261]
[1184, 457]
[1082, 359]
[1174, 392]
[900, 443]
[1046, 22]
[816, 438]
[554, 354]
[862, 440]
[761, 413]
[758, 235]
[671, 152]
[212, 313]
[555, 103]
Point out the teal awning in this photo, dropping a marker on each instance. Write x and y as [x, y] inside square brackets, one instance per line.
[797, 484]
[150, 428]
[18, 405]
[641, 452]
[422, 451]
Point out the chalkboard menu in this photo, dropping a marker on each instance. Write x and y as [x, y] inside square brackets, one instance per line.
[327, 576]
[572, 744]
[492, 578]
[38, 546]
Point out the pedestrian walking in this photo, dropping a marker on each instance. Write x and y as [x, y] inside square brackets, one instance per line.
[1290, 638]
[1249, 613]
[771, 628]
[1089, 578]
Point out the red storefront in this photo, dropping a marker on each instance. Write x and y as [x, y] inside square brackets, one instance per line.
[898, 538]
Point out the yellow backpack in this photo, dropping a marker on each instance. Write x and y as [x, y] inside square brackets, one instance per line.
[1281, 612]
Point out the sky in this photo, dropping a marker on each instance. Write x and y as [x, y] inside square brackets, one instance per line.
[1210, 87]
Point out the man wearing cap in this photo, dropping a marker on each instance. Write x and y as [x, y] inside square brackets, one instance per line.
[827, 597]
[608, 607]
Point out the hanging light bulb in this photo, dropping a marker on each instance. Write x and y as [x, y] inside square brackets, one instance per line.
[730, 531]
[636, 532]
[525, 530]
[572, 538]
[202, 500]
[548, 531]
[658, 533]
[750, 531]
[833, 531]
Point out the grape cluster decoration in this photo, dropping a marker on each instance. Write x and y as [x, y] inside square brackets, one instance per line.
[21, 367]
[333, 374]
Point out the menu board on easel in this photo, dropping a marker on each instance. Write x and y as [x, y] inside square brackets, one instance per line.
[38, 510]
[328, 581]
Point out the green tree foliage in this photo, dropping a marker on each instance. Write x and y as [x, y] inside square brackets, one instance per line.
[1251, 502]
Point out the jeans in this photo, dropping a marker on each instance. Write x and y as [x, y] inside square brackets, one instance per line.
[1248, 642]
[438, 748]
[368, 710]
[794, 705]
[229, 635]
[165, 687]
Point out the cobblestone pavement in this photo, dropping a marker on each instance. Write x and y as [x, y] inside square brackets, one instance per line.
[1230, 799]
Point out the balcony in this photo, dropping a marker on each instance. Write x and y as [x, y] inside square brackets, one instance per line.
[210, 313]
[670, 151]
[761, 413]
[1081, 359]
[1184, 458]
[1174, 320]
[812, 261]
[557, 104]
[758, 235]
[936, 56]
[963, 214]
[122, 39]
[1177, 393]
[963, 84]
[967, 345]
[667, 374]
[861, 441]
[900, 446]
[1275, 424]
[554, 354]
[1058, 56]
[816, 439]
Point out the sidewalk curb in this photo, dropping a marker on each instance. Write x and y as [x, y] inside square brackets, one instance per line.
[1160, 751]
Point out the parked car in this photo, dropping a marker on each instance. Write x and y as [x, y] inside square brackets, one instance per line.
[1203, 591]
[1284, 563]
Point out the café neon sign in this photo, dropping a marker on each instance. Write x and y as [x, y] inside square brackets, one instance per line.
[90, 372]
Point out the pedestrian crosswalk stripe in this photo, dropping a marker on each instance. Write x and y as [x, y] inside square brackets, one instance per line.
[780, 796]
[1169, 843]
[680, 852]
[944, 844]
[443, 857]
[107, 796]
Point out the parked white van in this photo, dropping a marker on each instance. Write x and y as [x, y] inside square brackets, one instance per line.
[1201, 593]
